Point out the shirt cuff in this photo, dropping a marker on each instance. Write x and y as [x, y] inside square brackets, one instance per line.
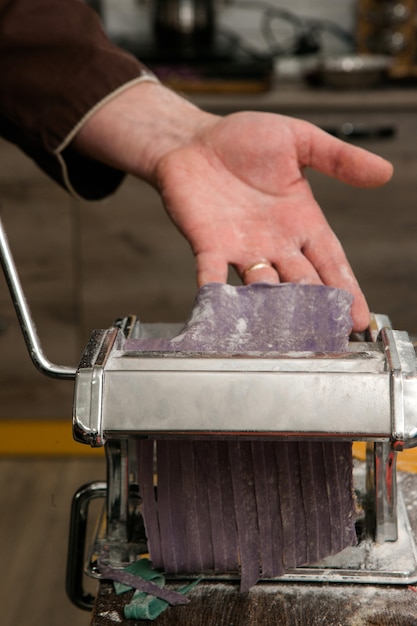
[86, 178]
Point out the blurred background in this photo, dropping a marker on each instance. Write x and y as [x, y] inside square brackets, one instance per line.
[348, 66]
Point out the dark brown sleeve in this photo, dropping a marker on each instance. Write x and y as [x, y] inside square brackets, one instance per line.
[56, 65]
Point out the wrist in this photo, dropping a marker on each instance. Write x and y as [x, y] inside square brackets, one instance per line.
[136, 129]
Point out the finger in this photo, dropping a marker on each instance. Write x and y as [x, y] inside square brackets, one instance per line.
[360, 312]
[346, 162]
[294, 267]
[334, 269]
[211, 268]
[260, 271]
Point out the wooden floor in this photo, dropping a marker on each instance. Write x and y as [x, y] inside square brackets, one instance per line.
[34, 518]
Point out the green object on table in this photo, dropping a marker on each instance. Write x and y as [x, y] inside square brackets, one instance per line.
[143, 605]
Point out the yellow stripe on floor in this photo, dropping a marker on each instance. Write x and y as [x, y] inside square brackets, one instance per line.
[54, 438]
[406, 460]
[41, 437]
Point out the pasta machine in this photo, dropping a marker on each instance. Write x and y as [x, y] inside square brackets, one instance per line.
[122, 394]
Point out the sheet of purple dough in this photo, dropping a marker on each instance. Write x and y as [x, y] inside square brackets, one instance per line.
[272, 483]
[261, 318]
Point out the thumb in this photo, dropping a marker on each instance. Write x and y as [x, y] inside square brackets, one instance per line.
[346, 162]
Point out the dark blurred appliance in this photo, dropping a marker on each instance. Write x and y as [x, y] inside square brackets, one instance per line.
[185, 26]
[389, 27]
[185, 47]
[184, 31]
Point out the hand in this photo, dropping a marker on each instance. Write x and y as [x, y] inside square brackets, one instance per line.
[238, 193]
[235, 187]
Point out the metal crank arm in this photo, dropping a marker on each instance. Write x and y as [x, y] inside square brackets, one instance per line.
[24, 316]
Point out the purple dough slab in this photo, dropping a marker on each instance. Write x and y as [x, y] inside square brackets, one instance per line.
[259, 317]
[271, 505]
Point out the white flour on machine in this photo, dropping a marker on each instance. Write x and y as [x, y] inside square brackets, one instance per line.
[124, 395]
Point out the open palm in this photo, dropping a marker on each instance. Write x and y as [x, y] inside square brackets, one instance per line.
[238, 194]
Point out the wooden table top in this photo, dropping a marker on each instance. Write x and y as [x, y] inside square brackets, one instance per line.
[221, 604]
[286, 604]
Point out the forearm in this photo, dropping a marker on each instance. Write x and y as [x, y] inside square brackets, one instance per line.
[134, 131]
